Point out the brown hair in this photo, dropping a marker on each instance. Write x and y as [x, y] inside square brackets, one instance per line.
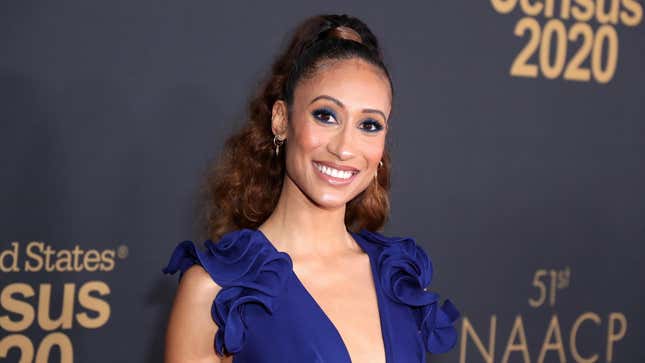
[242, 188]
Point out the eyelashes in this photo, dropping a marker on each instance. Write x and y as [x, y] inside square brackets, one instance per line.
[328, 116]
[323, 115]
[371, 125]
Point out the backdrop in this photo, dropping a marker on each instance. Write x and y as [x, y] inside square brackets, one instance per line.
[518, 144]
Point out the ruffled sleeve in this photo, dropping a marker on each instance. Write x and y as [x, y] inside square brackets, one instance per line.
[405, 273]
[249, 272]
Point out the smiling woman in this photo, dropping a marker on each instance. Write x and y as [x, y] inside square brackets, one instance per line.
[298, 271]
[336, 122]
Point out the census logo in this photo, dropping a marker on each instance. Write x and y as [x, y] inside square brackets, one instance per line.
[37, 318]
[573, 40]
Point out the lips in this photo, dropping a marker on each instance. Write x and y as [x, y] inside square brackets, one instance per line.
[335, 174]
[336, 166]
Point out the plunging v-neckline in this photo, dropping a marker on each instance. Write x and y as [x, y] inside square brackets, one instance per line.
[379, 298]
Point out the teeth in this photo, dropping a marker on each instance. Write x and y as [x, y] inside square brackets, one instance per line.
[334, 172]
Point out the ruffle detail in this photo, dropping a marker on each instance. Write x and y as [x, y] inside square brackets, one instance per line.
[249, 272]
[405, 271]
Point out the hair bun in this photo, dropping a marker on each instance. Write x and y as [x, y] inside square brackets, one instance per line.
[345, 32]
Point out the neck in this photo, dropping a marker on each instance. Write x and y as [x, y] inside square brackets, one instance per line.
[300, 227]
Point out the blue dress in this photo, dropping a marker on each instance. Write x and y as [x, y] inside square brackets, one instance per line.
[263, 311]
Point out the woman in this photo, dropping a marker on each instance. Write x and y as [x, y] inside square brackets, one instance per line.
[298, 273]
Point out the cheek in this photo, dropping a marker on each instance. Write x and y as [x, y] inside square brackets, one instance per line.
[308, 137]
[373, 150]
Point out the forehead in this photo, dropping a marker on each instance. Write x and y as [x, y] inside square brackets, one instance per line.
[355, 82]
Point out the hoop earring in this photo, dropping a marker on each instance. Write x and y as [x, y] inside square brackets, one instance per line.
[277, 142]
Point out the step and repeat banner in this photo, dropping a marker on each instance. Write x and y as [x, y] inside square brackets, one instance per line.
[517, 139]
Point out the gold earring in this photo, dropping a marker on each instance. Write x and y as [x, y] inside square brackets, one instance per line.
[277, 142]
[380, 164]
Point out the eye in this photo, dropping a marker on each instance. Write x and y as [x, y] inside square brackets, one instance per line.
[370, 125]
[324, 115]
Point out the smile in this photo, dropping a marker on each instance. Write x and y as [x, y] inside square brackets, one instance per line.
[333, 175]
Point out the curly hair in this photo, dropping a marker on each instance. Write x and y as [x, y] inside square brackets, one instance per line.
[242, 188]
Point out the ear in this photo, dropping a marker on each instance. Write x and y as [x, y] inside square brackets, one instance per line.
[279, 119]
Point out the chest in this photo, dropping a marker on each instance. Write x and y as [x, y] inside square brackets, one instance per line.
[346, 296]
[332, 320]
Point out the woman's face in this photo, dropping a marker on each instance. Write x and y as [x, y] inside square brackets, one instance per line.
[336, 134]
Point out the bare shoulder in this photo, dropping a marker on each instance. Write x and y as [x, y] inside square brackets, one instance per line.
[196, 279]
[190, 334]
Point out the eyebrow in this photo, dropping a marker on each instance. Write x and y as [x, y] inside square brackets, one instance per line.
[340, 104]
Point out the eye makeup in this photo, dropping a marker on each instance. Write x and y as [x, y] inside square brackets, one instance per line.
[324, 115]
[372, 126]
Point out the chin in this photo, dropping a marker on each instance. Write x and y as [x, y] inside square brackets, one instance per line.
[331, 200]
[327, 196]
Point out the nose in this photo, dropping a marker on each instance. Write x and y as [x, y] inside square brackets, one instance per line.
[342, 144]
